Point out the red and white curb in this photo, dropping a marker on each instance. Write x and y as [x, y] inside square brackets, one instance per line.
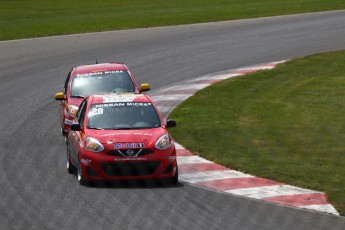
[201, 172]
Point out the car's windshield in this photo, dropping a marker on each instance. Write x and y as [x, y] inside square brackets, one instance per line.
[100, 82]
[123, 115]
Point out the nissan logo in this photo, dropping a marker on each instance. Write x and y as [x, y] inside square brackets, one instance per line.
[130, 152]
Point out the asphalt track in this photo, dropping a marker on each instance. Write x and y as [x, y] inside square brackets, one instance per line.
[36, 191]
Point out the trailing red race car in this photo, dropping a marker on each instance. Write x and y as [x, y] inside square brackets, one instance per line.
[85, 80]
[120, 136]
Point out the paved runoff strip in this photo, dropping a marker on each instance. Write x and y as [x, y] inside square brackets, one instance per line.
[201, 172]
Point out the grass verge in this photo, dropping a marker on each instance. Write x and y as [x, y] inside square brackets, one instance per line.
[285, 124]
[35, 18]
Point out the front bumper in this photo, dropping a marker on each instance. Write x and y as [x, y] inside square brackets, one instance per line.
[160, 164]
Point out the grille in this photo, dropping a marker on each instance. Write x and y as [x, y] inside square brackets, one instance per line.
[130, 168]
[90, 171]
[132, 153]
[168, 169]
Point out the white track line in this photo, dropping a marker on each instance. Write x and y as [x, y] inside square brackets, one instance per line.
[270, 191]
[178, 146]
[328, 208]
[171, 97]
[191, 160]
[212, 175]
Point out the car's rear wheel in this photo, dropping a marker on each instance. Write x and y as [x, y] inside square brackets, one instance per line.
[62, 131]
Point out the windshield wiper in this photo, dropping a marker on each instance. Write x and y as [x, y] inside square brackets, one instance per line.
[78, 96]
[95, 128]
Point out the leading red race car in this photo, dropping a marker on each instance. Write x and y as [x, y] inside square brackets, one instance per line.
[119, 137]
[85, 80]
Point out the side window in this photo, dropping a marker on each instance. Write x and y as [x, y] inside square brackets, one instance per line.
[81, 113]
[67, 80]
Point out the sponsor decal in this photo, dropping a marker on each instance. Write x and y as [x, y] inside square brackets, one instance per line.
[120, 98]
[131, 145]
[116, 102]
[68, 122]
[128, 145]
[117, 146]
[98, 72]
[139, 104]
[110, 105]
[172, 159]
[130, 159]
[86, 161]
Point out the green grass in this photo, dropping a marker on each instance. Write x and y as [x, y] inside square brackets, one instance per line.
[35, 18]
[286, 124]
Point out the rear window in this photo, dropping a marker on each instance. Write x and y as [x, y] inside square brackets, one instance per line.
[101, 82]
[123, 115]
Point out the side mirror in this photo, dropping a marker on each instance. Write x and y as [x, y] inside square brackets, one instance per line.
[60, 97]
[75, 127]
[171, 123]
[144, 87]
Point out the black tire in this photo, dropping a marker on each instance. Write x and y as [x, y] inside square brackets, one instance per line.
[80, 177]
[174, 179]
[70, 166]
[62, 131]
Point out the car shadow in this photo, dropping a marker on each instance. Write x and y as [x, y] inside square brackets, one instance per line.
[131, 184]
[134, 184]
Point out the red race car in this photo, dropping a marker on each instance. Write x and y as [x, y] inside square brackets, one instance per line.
[89, 79]
[120, 136]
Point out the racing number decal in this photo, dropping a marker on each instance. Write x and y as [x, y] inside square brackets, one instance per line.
[97, 111]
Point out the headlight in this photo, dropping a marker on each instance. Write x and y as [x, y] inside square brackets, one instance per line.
[72, 110]
[93, 145]
[163, 142]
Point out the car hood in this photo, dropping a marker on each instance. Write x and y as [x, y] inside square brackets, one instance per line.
[146, 136]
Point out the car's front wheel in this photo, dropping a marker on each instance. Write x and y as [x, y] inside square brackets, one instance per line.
[70, 166]
[174, 179]
[80, 177]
